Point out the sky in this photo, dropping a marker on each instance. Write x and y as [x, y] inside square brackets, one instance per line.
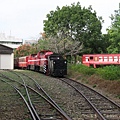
[24, 18]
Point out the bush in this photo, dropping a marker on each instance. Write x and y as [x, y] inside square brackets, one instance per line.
[109, 72]
[82, 69]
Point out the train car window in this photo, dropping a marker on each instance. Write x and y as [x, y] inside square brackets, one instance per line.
[86, 59]
[110, 58]
[91, 57]
[33, 55]
[105, 59]
[20, 60]
[41, 53]
[56, 57]
[96, 59]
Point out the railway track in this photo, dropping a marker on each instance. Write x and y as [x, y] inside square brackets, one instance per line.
[39, 103]
[79, 102]
[93, 105]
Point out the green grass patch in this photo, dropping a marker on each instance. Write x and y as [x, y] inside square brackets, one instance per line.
[82, 69]
[94, 86]
[108, 72]
[118, 96]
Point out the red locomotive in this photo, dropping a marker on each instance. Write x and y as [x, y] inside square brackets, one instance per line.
[45, 61]
[100, 59]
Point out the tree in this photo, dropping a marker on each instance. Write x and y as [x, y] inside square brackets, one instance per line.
[42, 44]
[114, 33]
[74, 24]
[24, 50]
[105, 43]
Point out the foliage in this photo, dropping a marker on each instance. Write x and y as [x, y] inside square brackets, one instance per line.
[43, 44]
[108, 72]
[113, 32]
[82, 69]
[74, 29]
[104, 43]
[24, 50]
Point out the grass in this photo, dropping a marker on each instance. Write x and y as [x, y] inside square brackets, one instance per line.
[94, 86]
[107, 72]
[118, 96]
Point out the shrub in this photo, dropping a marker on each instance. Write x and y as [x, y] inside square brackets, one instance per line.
[109, 72]
[83, 69]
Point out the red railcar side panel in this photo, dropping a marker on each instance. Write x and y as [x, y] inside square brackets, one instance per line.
[23, 62]
[42, 58]
[31, 59]
[100, 59]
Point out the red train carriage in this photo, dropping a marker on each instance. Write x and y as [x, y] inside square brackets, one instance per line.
[100, 59]
[21, 62]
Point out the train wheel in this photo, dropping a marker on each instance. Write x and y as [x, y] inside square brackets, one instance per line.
[37, 68]
[28, 67]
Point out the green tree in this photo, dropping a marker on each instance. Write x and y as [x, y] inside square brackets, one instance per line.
[75, 25]
[114, 33]
[105, 43]
[42, 44]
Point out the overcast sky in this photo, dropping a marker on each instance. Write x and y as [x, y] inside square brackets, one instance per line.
[24, 18]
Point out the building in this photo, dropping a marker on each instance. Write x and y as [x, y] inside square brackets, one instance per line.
[6, 57]
[10, 41]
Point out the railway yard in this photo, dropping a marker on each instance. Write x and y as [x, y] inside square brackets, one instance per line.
[67, 99]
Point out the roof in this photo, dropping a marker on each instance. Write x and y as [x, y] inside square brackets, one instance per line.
[5, 49]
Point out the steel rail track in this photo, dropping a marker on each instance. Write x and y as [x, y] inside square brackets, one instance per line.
[50, 101]
[104, 108]
[27, 104]
[40, 88]
[29, 99]
[34, 113]
[99, 115]
[45, 93]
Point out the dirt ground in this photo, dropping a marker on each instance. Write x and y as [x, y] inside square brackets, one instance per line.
[108, 88]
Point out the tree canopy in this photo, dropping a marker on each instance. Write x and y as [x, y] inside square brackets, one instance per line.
[79, 29]
[114, 33]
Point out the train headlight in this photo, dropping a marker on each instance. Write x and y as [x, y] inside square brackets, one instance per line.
[65, 62]
[53, 62]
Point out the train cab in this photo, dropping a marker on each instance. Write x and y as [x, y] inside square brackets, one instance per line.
[57, 65]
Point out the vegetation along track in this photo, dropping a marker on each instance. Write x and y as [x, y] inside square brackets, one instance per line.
[94, 105]
[41, 107]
